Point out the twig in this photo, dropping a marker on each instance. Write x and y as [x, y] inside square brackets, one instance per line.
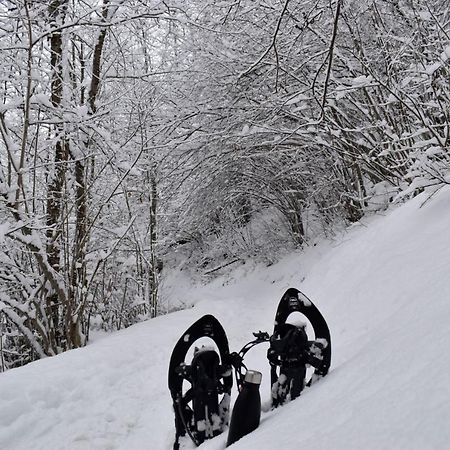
[330, 56]
[222, 266]
[272, 44]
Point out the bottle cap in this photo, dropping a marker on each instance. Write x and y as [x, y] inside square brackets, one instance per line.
[254, 377]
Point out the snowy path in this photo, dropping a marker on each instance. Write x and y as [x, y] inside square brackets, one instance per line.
[385, 291]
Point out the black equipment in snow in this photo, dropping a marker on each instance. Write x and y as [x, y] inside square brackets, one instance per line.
[199, 412]
[290, 352]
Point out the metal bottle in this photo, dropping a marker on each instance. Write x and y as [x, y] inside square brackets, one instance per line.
[247, 409]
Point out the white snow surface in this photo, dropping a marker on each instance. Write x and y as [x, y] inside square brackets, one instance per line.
[383, 287]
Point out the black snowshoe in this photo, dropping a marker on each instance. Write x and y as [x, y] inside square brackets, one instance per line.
[198, 411]
[290, 351]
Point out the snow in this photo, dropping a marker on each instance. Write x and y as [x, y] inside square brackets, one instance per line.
[444, 57]
[362, 80]
[4, 228]
[383, 287]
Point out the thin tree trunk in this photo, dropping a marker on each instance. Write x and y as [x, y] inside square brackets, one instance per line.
[78, 276]
[56, 179]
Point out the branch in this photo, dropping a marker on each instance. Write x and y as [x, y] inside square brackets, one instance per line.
[272, 44]
[330, 57]
[222, 266]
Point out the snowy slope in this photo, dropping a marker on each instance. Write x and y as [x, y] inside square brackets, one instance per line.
[384, 288]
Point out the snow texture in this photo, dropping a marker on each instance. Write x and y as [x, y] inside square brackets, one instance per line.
[384, 288]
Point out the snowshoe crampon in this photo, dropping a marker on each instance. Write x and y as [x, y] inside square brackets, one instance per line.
[290, 352]
[199, 411]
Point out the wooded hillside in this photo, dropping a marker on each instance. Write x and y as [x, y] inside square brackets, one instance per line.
[138, 135]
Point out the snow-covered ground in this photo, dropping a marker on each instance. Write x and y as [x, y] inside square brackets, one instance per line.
[384, 288]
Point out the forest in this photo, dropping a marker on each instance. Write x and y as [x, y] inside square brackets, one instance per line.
[139, 137]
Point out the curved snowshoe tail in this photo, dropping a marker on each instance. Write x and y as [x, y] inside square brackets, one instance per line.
[198, 412]
[290, 351]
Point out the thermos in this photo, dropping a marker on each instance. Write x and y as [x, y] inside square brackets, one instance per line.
[247, 408]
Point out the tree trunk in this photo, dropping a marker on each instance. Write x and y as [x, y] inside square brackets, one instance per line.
[56, 180]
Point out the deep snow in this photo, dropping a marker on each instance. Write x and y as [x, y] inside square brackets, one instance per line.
[384, 288]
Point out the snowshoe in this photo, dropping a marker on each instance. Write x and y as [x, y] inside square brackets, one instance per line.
[198, 411]
[290, 352]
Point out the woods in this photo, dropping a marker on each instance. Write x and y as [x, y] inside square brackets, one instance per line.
[139, 137]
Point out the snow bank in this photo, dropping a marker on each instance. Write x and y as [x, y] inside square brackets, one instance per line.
[384, 288]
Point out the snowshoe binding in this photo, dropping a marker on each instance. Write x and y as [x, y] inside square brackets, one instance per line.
[290, 352]
[198, 411]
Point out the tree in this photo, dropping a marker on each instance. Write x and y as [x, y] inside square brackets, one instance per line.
[54, 151]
